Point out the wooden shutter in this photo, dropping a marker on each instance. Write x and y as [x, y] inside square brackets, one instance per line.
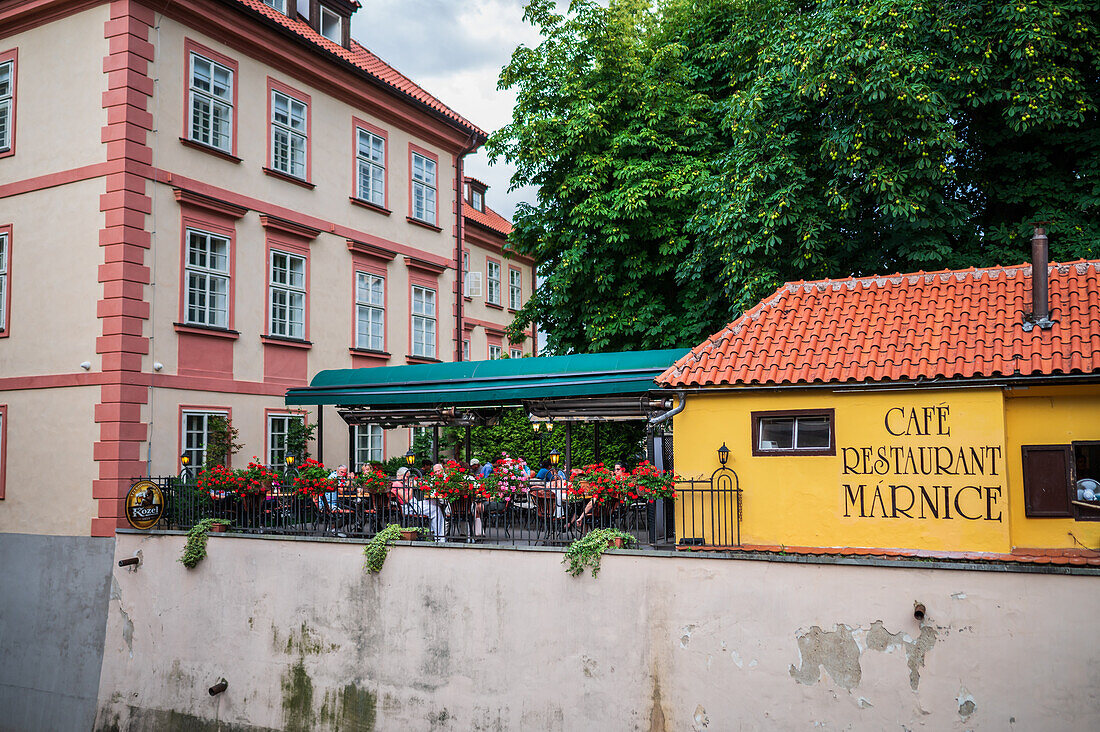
[1047, 480]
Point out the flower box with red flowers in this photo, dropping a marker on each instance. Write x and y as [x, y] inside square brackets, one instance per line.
[506, 481]
[599, 484]
[453, 484]
[373, 481]
[649, 483]
[312, 480]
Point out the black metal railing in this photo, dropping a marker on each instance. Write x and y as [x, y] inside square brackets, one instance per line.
[706, 513]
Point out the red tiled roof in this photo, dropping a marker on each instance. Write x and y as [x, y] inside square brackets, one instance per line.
[961, 323]
[361, 57]
[487, 218]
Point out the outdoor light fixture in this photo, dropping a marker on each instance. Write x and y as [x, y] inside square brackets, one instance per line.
[410, 457]
[289, 460]
[555, 457]
[185, 459]
[549, 426]
[536, 426]
[723, 454]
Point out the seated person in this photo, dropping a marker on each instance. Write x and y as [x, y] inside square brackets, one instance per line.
[343, 483]
[544, 473]
[404, 490]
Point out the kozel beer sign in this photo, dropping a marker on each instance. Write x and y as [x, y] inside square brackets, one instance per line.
[144, 504]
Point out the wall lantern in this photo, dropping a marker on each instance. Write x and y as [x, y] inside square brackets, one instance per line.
[410, 457]
[185, 459]
[536, 426]
[549, 426]
[555, 457]
[723, 454]
[289, 461]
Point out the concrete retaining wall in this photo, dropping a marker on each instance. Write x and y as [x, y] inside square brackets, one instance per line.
[53, 610]
[489, 639]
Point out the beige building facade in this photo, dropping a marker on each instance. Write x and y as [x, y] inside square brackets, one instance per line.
[202, 205]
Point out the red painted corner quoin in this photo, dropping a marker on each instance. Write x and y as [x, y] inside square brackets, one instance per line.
[123, 311]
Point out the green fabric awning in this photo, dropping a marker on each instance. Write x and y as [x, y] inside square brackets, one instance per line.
[498, 383]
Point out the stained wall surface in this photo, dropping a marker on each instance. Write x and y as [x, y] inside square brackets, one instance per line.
[495, 639]
[53, 607]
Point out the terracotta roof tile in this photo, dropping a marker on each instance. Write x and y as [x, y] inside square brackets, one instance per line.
[363, 58]
[487, 218]
[954, 323]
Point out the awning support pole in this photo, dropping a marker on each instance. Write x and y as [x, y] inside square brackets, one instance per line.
[321, 433]
[596, 440]
[435, 444]
[568, 448]
[466, 453]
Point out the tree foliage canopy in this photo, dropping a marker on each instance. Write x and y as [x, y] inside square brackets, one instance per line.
[692, 155]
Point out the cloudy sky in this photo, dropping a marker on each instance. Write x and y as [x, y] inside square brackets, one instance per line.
[455, 49]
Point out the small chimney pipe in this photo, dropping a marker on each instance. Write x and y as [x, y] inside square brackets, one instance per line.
[1040, 302]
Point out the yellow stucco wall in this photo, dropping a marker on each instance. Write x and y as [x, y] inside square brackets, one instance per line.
[815, 501]
[1049, 416]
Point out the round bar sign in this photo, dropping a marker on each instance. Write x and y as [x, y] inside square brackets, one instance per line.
[144, 504]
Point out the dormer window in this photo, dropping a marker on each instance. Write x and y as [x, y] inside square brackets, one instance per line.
[332, 26]
[279, 5]
[475, 194]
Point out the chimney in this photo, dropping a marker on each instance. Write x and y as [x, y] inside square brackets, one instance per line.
[1040, 280]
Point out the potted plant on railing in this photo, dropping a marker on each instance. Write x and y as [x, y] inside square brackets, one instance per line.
[597, 484]
[220, 482]
[312, 480]
[373, 481]
[507, 480]
[651, 484]
[453, 485]
[252, 488]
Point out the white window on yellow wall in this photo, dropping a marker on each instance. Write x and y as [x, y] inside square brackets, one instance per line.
[791, 432]
[278, 427]
[495, 351]
[288, 135]
[368, 444]
[370, 313]
[7, 91]
[423, 322]
[371, 159]
[423, 188]
[288, 295]
[492, 279]
[195, 433]
[207, 273]
[211, 101]
[515, 289]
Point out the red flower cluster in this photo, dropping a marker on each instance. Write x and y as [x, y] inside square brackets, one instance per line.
[644, 483]
[220, 481]
[256, 479]
[373, 481]
[453, 484]
[651, 483]
[598, 483]
[312, 479]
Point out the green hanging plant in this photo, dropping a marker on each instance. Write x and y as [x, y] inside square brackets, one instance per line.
[194, 551]
[379, 546]
[588, 550]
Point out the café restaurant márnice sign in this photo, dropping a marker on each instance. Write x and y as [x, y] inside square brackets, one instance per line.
[919, 470]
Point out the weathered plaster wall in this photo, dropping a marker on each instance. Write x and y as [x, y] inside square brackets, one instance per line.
[463, 639]
[53, 609]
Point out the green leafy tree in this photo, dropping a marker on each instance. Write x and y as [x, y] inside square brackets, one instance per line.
[221, 442]
[693, 155]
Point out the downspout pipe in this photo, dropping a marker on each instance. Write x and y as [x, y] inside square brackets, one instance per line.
[460, 229]
[682, 402]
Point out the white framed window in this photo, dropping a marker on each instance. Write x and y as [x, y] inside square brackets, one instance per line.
[466, 273]
[370, 311]
[477, 200]
[332, 25]
[368, 443]
[495, 351]
[466, 350]
[371, 158]
[515, 289]
[288, 295]
[207, 275]
[3, 281]
[423, 322]
[278, 427]
[802, 432]
[279, 5]
[423, 188]
[288, 134]
[195, 433]
[516, 353]
[492, 279]
[7, 93]
[211, 100]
